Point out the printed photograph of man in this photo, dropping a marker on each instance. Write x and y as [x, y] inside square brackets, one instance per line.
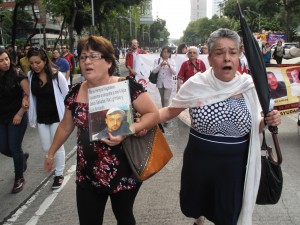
[115, 124]
[277, 88]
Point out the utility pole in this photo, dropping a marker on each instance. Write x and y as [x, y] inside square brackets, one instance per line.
[93, 17]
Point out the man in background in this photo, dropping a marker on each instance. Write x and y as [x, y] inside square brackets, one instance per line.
[71, 59]
[130, 61]
[24, 64]
[62, 64]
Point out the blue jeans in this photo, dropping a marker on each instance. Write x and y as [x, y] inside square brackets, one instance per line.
[11, 137]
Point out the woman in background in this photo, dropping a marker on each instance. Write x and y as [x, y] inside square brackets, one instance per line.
[14, 92]
[166, 68]
[48, 88]
[190, 67]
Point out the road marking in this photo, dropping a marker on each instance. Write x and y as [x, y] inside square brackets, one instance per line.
[50, 199]
[21, 209]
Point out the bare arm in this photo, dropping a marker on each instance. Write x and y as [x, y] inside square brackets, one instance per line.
[64, 129]
[146, 107]
[19, 115]
[168, 113]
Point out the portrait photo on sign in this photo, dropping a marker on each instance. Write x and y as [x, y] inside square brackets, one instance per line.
[116, 121]
[277, 84]
[293, 75]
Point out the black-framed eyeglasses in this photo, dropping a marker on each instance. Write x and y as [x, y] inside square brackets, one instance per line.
[92, 57]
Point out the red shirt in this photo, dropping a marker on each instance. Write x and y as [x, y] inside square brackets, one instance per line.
[187, 69]
[129, 57]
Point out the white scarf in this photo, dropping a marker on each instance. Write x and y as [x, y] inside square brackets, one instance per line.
[205, 89]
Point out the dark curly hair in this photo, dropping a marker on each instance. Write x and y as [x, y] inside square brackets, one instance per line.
[51, 69]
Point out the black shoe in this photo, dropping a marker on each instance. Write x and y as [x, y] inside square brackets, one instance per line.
[26, 155]
[18, 185]
[58, 180]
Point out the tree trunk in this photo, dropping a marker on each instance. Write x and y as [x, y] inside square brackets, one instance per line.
[14, 26]
[35, 25]
[71, 27]
[60, 33]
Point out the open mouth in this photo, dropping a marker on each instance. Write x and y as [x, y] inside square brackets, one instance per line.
[227, 68]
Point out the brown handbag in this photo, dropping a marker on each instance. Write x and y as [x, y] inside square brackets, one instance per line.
[147, 154]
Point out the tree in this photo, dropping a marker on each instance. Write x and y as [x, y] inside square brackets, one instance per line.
[198, 31]
[275, 15]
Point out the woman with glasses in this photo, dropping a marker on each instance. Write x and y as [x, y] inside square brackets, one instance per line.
[190, 67]
[166, 68]
[14, 92]
[102, 170]
[48, 88]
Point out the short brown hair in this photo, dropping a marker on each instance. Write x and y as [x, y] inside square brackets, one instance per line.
[100, 44]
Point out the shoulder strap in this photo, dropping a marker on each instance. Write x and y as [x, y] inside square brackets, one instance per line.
[196, 67]
[158, 61]
[58, 83]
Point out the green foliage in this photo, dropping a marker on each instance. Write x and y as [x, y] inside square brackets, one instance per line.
[273, 15]
[197, 32]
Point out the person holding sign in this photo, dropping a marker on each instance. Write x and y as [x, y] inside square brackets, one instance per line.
[102, 169]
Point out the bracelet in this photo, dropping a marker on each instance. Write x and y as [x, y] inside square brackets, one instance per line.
[47, 157]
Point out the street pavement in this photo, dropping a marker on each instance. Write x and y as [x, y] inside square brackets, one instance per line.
[158, 200]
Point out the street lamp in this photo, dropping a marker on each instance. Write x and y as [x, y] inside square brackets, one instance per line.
[1, 29]
[93, 17]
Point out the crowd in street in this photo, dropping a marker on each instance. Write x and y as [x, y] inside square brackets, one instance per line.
[221, 162]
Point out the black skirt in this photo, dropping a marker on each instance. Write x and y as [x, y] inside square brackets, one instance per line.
[212, 179]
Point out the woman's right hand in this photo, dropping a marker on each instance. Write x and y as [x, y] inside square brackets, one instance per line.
[48, 163]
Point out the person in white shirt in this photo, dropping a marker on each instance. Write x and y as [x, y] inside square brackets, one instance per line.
[166, 68]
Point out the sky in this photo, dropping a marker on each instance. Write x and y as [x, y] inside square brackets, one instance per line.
[177, 14]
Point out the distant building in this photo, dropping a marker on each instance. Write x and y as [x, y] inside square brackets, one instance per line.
[218, 7]
[198, 9]
[48, 26]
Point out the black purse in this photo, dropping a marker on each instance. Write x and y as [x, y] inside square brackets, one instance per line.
[153, 76]
[271, 180]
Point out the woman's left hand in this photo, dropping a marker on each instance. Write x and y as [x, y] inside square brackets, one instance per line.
[273, 118]
[113, 140]
[17, 119]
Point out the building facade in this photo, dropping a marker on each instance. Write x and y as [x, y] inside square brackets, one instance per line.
[47, 29]
[198, 9]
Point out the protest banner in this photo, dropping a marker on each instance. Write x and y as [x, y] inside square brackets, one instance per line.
[283, 81]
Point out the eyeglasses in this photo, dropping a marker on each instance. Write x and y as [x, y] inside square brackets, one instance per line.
[63, 47]
[195, 53]
[92, 57]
